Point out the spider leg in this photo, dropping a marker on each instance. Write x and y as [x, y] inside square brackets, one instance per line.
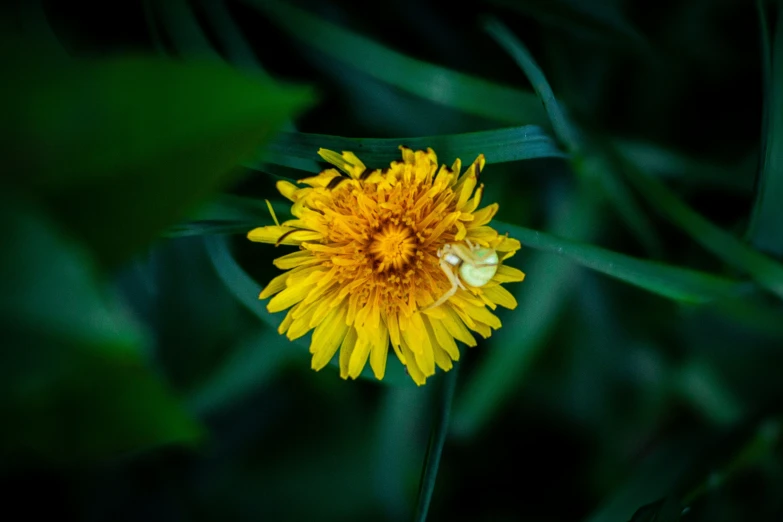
[455, 283]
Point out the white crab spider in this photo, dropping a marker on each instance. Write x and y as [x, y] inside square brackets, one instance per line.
[473, 264]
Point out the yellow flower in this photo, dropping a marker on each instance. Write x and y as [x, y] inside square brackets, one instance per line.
[379, 252]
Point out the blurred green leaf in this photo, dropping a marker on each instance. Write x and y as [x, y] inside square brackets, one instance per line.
[73, 380]
[125, 134]
[659, 475]
[438, 84]
[598, 19]
[686, 170]
[766, 271]
[765, 230]
[498, 146]
[239, 283]
[255, 361]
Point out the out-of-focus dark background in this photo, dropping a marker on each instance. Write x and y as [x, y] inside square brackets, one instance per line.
[142, 380]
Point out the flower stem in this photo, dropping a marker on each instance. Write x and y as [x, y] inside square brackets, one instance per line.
[440, 429]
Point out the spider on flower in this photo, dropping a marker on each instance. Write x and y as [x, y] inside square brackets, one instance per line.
[472, 264]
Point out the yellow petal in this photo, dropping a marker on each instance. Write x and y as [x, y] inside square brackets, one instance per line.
[414, 333]
[481, 314]
[442, 359]
[346, 349]
[508, 274]
[501, 296]
[456, 327]
[464, 187]
[288, 298]
[322, 180]
[327, 338]
[275, 285]
[287, 189]
[444, 338]
[481, 235]
[287, 320]
[361, 351]
[380, 351]
[414, 371]
[300, 325]
[508, 244]
[485, 215]
[323, 307]
[295, 259]
[272, 234]
[394, 335]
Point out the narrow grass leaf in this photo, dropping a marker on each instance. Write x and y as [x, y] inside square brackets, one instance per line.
[457, 90]
[764, 270]
[765, 230]
[676, 283]
[562, 128]
[590, 164]
[440, 430]
[498, 146]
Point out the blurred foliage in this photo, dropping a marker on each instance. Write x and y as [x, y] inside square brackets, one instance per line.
[635, 149]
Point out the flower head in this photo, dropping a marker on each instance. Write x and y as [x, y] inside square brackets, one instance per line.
[399, 256]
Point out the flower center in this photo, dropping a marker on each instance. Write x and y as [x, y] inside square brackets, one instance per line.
[393, 246]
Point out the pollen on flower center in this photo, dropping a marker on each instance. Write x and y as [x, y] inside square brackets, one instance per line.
[393, 246]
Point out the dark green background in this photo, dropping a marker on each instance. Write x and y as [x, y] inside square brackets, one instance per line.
[640, 375]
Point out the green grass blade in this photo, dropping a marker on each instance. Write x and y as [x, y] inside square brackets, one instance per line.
[498, 146]
[398, 454]
[562, 128]
[435, 83]
[435, 449]
[590, 165]
[680, 284]
[764, 270]
[765, 230]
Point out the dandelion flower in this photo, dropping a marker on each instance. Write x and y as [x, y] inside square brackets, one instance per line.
[400, 256]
